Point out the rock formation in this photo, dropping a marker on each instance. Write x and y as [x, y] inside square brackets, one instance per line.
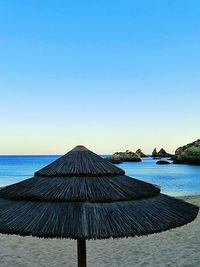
[162, 162]
[181, 149]
[114, 160]
[140, 153]
[161, 154]
[127, 156]
[188, 154]
[154, 153]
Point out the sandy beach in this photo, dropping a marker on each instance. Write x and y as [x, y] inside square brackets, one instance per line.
[177, 247]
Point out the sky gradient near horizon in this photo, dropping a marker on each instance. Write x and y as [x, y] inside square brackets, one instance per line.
[112, 75]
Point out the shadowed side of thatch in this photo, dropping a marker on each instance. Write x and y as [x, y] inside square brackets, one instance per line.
[80, 189]
[80, 162]
[94, 220]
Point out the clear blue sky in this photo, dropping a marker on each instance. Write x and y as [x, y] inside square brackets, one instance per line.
[112, 75]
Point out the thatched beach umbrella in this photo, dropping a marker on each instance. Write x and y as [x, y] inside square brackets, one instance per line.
[82, 196]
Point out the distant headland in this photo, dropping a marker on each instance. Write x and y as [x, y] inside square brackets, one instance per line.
[188, 154]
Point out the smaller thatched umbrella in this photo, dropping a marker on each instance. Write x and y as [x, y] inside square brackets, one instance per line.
[82, 196]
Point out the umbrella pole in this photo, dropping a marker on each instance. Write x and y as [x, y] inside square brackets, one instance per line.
[81, 250]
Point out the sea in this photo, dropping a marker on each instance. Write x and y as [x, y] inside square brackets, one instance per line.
[173, 179]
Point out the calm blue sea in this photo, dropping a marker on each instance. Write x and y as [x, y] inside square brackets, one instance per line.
[173, 179]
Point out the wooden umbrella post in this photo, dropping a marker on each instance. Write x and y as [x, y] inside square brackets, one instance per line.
[81, 250]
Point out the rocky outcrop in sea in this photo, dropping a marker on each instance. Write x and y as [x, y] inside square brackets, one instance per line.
[127, 156]
[162, 162]
[188, 154]
[140, 153]
[160, 154]
[114, 160]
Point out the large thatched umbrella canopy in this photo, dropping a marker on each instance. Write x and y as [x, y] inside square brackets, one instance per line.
[82, 196]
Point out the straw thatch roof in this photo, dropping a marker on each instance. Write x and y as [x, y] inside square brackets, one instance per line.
[80, 162]
[82, 195]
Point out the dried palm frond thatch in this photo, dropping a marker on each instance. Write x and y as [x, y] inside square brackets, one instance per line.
[83, 196]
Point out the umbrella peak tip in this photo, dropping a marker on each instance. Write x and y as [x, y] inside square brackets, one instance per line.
[79, 148]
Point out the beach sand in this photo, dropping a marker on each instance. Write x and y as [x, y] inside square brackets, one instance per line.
[177, 247]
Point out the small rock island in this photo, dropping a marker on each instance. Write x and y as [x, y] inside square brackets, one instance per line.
[140, 153]
[160, 154]
[162, 162]
[127, 156]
